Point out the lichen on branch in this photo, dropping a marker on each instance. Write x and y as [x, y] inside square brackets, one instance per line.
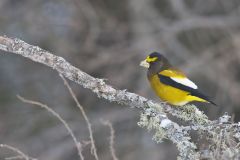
[154, 116]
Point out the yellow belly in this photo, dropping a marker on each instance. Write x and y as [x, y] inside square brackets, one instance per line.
[170, 94]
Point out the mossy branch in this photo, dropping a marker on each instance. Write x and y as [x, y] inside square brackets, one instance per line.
[154, 115]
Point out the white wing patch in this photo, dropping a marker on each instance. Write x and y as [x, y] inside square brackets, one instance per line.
[185, 82]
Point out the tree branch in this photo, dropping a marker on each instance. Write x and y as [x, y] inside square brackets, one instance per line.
[20, 155]
[153, 115]
[171, 130]
[93, 146]
[55, 114]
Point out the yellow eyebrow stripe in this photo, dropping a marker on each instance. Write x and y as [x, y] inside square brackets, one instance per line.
[149, 59]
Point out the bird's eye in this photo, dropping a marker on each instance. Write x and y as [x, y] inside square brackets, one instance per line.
[151, 59]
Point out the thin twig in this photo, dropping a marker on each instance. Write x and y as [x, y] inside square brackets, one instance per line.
[21, 155]
[93, 146]
[55, 114]
[14, 158]
[112, 137]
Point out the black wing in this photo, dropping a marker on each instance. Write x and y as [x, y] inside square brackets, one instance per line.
[194, 92]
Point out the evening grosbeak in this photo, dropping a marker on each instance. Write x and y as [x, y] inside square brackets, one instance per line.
[169, 83]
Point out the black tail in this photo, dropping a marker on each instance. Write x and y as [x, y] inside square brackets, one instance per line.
[197, 93]
[200, 95]
[212, 103]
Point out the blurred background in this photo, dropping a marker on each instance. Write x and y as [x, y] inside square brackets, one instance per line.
[108, 39]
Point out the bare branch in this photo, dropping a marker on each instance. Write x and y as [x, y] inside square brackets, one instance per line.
[55, 114]
[21, 155]
[112, 137]
[13, 158]
[93, 147]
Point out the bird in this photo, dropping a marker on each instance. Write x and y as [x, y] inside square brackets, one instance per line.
[170, 84]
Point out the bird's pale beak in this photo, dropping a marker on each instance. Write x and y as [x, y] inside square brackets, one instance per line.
[145, 64]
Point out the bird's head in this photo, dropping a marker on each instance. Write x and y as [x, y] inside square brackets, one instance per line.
[155, 61]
